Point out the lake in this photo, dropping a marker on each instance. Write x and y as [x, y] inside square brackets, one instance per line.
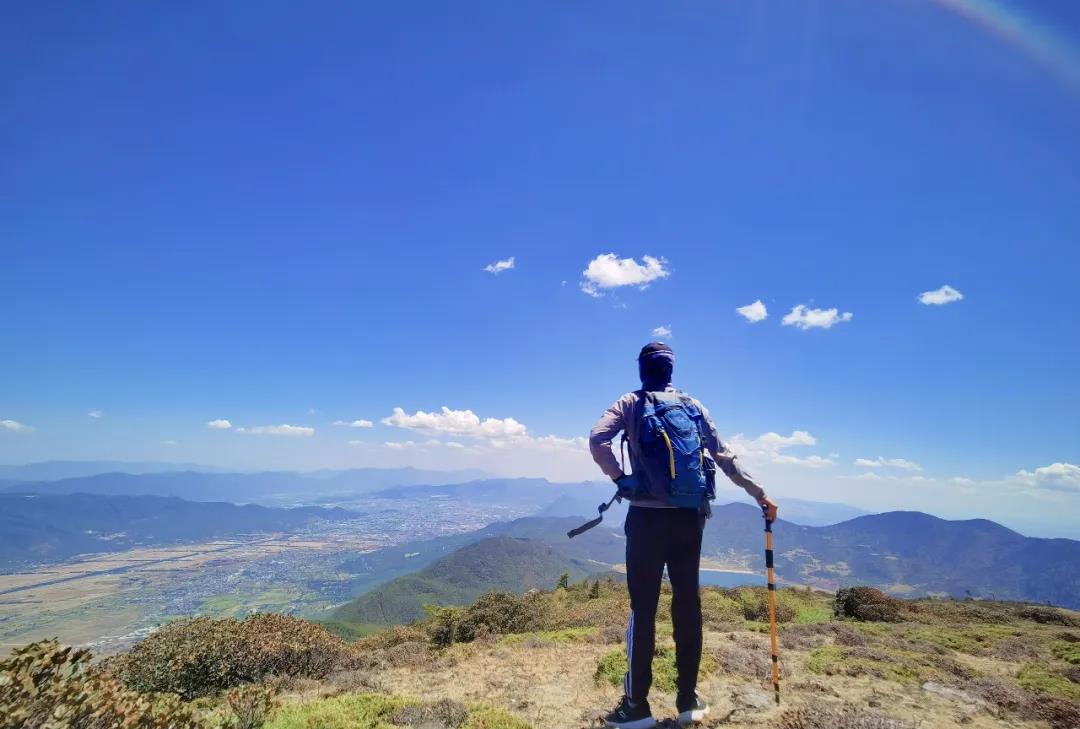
[724, 578]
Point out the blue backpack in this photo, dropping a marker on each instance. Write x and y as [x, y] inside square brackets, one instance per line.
[669, 458]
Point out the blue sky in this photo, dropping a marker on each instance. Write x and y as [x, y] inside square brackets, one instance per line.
[283, 217]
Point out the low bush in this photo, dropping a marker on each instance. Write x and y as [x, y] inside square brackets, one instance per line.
[719, 609]
[249, 706]
[46, 686]
[755, 605]
[870, 604]
[1059, 713]
[445, 714]
[1048, 616]
[742, 656]
[203, 656]
[494, 613]
[349, 711]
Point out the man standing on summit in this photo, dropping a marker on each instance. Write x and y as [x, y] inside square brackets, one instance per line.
[674, 450]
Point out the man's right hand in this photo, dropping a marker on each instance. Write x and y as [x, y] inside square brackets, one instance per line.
[768, 508]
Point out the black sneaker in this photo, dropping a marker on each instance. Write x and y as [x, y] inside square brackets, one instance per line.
[628, 715]
[691, 710]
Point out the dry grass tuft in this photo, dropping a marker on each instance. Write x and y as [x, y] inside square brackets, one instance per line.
[845, 716]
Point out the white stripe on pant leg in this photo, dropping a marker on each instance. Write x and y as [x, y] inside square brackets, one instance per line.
[628, 684]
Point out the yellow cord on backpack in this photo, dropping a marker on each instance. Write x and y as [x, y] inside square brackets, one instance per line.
[671, 453]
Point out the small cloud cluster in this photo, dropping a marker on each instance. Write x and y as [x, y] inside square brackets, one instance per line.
[355, 423]
[456, 422]
[500, 266]
[96, 414]
[938, 297]
[291, 430]
[608, 271]
[662, 332]
[770, 447]
[15, 426]
[879, 462]
[805, 318]
[494, 433]
[1055, 477]
[754, 312]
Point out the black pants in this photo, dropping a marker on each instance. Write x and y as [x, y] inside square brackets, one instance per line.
[655, 538]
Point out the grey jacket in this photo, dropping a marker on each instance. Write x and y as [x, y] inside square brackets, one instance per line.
[625, 414]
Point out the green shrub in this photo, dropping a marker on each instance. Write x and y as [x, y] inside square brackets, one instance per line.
[44, 685]
[494, 613]
[718, 608]
[350, 711]
[870, 604]
[756, 606]
[376, 711]
[1066, 651]
[203, 656]
[612, 668]
[501, 613]
[1040, 680]
[824, 659]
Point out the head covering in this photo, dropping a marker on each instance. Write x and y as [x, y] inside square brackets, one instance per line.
[655, 364]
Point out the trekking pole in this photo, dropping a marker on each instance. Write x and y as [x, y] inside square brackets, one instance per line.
[772, 605]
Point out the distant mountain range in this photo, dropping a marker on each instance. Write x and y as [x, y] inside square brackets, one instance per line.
[905, 553]
[242, 487]
[495, 563]
[54, 470]
[37, 528]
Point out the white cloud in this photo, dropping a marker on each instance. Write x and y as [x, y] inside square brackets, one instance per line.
[453, 444]
[962, 481]
[400, 444]
[754, 312]
[219, 424]
[945, 295]
[292, 430]
[457, 422]
[879, 462]
[15, 426]
[607, 271]
[808, 462]
[170, 442]
[769, 448]
[1055, 477]
[662, 331]
[96, 414]
[804, 318]
[500, 266]
[355, 423]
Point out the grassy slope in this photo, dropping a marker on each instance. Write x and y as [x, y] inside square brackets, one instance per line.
[949, 664]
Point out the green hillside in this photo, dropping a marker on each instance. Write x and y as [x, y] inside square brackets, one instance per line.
[501, 563]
